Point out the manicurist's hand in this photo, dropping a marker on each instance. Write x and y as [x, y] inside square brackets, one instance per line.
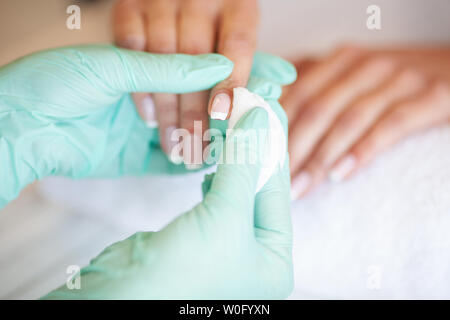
[68, 112]
[349, 106]
[232, 245]
[228, 27]
[235, 244]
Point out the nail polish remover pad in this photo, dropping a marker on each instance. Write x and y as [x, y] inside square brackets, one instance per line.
[275, 149]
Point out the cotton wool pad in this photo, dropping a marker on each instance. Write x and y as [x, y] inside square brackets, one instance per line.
[275, 150]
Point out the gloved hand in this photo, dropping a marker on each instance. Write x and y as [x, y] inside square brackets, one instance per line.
[67, 112]
[234, 244]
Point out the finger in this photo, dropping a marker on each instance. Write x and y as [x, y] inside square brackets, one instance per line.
[272, 212]
[128, 25]
[273, 225]
[237, 41]
[268, 74]
[356, 120]
[146, 108]
[429, 108]
[273, 68]
[315, 78]
[161, 25]
[302, 67]
[129, 32]
[196, 26]
[196, 33]
[234, 185]
[321, 111]
[123, 71]
[161, 28]
[167, 117]
[194, 119]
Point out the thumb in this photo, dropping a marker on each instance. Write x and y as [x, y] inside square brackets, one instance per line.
[272, 212]
[136, 71]
[233, 187]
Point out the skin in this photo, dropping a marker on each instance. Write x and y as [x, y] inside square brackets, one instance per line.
[350, 106]
[192, 27]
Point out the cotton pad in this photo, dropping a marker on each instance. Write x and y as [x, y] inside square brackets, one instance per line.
[275, 150]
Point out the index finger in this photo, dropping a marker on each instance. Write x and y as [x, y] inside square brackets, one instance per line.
[237, 41]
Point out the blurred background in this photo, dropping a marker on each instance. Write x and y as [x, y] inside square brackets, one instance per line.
[56, 223]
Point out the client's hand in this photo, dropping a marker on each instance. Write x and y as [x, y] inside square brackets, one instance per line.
[193, 27]
[68, 112]
[348, 107]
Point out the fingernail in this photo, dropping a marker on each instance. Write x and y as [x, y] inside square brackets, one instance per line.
[148, 108]
[342, 169]
[175, 157]
[220, 106]
[299, 185]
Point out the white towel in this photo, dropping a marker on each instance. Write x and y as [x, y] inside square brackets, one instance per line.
[383, 234]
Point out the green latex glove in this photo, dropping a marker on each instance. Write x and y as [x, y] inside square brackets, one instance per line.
[233, 245]
[67, 112]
